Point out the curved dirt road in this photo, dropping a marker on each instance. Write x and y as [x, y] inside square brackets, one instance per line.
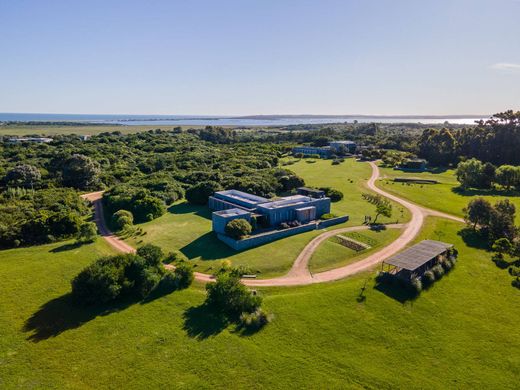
[299, 273]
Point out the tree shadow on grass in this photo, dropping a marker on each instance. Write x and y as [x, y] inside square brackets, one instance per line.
[187, 208]
[207, 247]
[397, 292]
[201, 322]
[473, 238]
[66, 247]
[484, 192]
[62, 314]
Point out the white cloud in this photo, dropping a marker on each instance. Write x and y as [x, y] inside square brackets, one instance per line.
[506, 67]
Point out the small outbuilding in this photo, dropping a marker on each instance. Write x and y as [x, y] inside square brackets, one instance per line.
[416, 260]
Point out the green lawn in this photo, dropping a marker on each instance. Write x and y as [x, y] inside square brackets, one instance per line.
[188, 228]
[330, 254]
[462, 333]
[444, 196]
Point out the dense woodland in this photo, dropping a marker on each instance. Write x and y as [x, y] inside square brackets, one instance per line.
[147, 171]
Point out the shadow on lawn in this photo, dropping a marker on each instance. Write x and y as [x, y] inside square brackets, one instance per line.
[208, 247]
[186, 208]
[62, 314]
[396, 291]
[484, 192]
[201, 322]
[473, 238]
[66, 247]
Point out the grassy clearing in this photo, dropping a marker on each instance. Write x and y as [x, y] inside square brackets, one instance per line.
[188, 228]
[331, 254]
[459, 334]
[349, 177]
[19, 130]
[444, 196]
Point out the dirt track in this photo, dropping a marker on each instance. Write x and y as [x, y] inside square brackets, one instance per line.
[299, 273]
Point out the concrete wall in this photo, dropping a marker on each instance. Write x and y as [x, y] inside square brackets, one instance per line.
[261, 239]
[331, 222]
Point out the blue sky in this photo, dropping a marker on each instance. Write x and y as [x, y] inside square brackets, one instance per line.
[260, 57]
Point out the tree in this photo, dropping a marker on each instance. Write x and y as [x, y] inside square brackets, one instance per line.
[199, 193]
[478, 212]
[87, 232]
[469, 173]
[81, 172]
[228, 295]
[488, 175]
[383, 206]
[183, 274]
[334, 194]
[501, 246]
[508, 176]
[23, 175]
[238, 228]
[122, 219]
[148, 208]
[152, 254]
[502, 221]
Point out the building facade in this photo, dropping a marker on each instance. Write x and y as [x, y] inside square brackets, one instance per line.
[334, 148]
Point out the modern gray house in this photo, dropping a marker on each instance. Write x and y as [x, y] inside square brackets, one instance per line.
[238, 204]
[279, 218]
[335, 147]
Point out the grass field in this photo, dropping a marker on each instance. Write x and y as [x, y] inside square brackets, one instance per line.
[331, 254]
[188, 228]
[444, 196]
[19, 130]
[459, 334]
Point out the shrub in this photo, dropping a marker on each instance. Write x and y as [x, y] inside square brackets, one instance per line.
[516, 283]
[238, 228]
[152, 254]
[228, 295]
[122, 219]
[428, 278]
[328, 216]
[416, 285]
[148, 280]
[446, 265]
[333, 194]
[438, 271]
[148, 208]
[199, 193]
[175, 257]
[87, 232]
[183, 275]
[255, 320]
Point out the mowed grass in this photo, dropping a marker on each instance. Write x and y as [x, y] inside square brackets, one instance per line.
[459, 334]
[188, 228]
[331, 254]
[349, 177]
[444, 196]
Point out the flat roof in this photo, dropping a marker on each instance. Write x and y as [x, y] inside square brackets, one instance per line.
[230, 212]
[314, 190]
[287, 201]
[243, 196]
[343, 142]
[417, 255]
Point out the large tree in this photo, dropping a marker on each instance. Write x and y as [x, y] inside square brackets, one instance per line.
[23, 175]
[81, 172]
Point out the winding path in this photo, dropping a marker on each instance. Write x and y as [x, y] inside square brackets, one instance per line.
[299, 273]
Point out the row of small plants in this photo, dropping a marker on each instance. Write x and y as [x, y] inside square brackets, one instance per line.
[418, 284]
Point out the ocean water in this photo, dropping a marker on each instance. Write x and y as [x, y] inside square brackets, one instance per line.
[204, 120]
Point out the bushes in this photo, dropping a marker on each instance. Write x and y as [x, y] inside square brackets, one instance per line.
[289, 224]
[87, 232]
[229, 296]
[333, 194]
[238, 228]
[328, 216]
[199, 193]
[143, 206]
[428, 278]
[438, 271]
[131, 275]
[255, 320]
[122, 219]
